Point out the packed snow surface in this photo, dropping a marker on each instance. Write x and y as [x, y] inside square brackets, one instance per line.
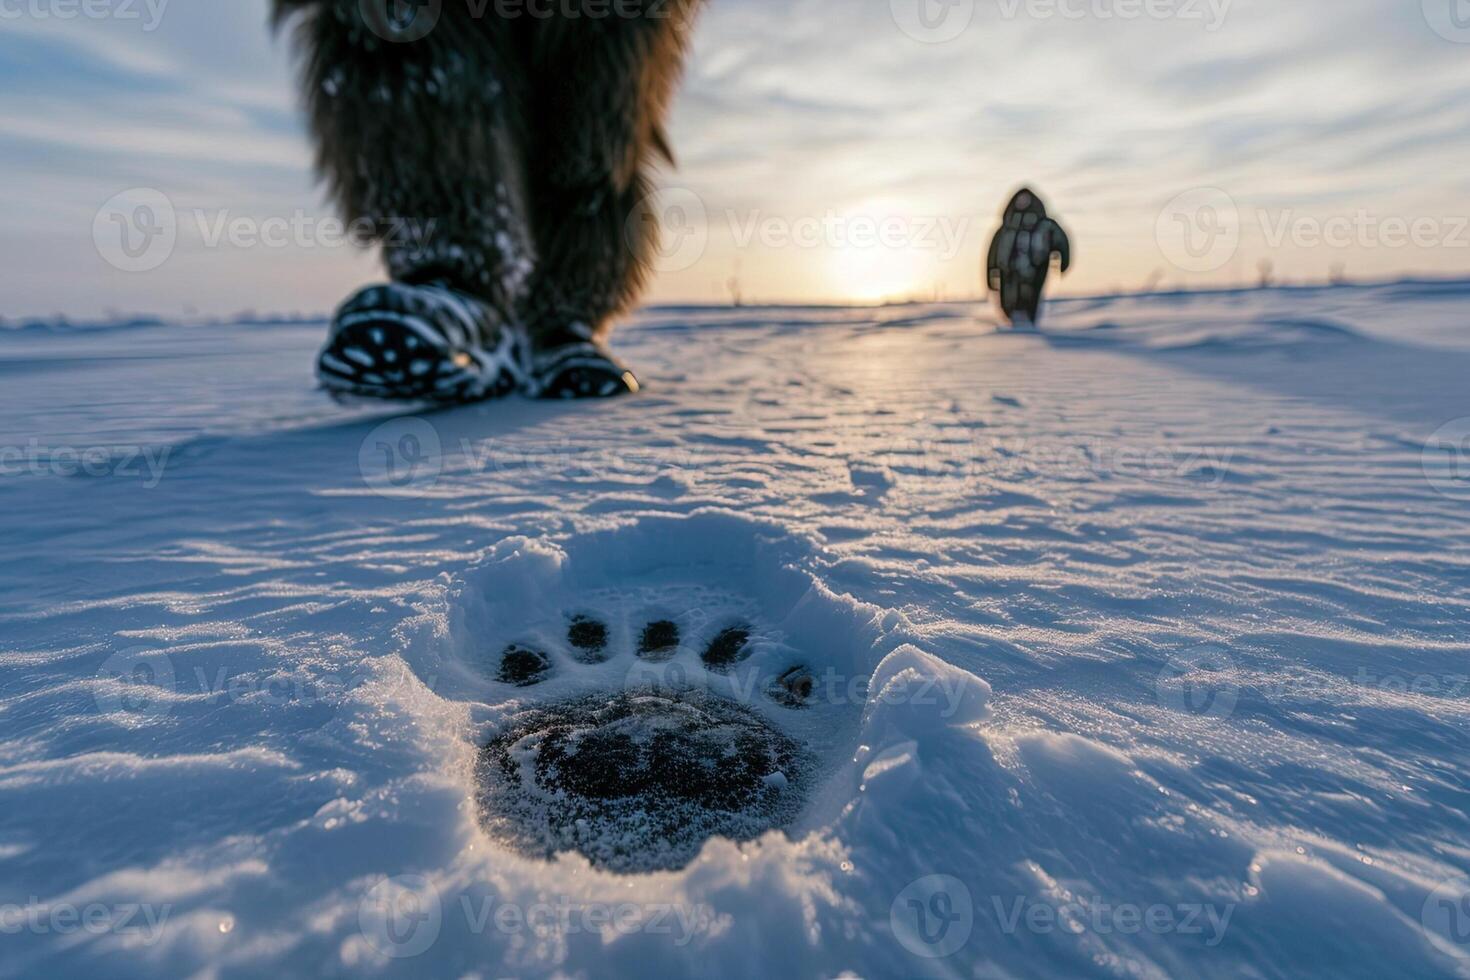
[1134, 647]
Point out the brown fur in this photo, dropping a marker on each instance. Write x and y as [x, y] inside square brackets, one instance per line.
[521, 145]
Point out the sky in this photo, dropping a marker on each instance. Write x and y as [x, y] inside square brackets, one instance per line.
[829, 150]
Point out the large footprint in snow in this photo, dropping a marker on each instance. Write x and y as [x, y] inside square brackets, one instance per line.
[640, 690]
[648, 773]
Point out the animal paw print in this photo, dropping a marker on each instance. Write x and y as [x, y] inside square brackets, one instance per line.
[589, 641]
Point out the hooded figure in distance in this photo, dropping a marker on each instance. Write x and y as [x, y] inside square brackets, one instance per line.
[1021, 256]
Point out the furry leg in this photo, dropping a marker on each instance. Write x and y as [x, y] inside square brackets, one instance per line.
[601, 91]
[422, 142]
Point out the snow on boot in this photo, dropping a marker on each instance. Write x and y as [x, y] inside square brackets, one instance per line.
[425, 342]
[574, 365]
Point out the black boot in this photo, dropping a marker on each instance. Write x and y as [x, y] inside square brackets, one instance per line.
[572, 363]
[425, 342]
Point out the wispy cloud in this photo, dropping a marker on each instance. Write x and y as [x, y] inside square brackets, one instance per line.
[795, 114]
